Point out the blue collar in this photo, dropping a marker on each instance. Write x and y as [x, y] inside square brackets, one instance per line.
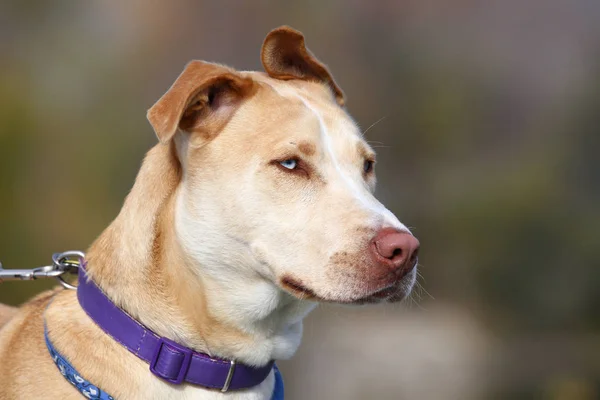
[70, 373]
[91, 391]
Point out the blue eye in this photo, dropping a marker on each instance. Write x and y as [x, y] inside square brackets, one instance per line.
[289, 164]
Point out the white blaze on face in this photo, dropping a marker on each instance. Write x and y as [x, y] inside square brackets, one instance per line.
[348, 177]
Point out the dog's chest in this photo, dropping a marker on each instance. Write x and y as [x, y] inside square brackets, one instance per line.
[157, 389]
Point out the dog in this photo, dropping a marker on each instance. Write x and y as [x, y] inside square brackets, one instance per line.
[256, 204]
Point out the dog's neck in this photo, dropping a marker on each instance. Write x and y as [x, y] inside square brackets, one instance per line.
[139, 262]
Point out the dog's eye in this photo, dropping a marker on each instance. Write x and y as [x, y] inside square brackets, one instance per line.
[368, 166]
[289, 164]
[292, 165]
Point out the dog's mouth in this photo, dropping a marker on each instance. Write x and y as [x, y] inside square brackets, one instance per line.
[297, 288]
[391, 293]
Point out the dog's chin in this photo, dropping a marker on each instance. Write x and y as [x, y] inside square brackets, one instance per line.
[393, 292]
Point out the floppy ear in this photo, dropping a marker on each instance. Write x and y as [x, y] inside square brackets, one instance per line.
[202, 100]
[284, 56]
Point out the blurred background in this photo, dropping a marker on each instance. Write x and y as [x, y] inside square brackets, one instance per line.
[488, 145]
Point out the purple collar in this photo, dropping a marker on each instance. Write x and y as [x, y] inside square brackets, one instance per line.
[168, 360]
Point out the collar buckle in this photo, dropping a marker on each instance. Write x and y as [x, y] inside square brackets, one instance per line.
[171, 361]
[229, 376]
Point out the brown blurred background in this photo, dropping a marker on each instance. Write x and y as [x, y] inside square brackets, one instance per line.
[488, 147]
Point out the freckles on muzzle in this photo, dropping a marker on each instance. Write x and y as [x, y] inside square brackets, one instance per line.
[390, 253]
[383, 269]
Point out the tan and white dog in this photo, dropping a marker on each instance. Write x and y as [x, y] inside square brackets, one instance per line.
[256, 204]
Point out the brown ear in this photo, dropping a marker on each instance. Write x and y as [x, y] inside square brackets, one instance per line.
[202, 100]
[284, 56]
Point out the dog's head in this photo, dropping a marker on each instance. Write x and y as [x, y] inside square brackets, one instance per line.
[278, 181]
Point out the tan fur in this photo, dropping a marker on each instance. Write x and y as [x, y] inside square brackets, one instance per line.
[6, 313]
[218, 246]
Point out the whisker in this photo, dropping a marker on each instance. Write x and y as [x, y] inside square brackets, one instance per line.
[373, 124]
[420, 286]
[416, 292]
[415, 302]
[427, 293]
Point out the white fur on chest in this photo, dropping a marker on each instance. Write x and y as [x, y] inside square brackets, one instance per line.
[236, 293]
[159, 390]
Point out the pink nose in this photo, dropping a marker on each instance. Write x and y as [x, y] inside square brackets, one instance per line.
[396, 250]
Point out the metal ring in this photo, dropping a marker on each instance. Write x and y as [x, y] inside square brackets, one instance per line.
[64, 262]
[63, 259]
[65, 284]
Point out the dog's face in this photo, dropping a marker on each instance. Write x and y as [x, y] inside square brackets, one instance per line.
[278, 181]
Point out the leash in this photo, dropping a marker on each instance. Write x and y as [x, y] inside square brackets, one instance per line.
[67, 262]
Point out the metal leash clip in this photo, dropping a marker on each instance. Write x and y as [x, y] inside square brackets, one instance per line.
[67, 262]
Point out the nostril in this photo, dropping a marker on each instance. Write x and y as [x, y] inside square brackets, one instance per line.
[414, 256]
[395, 249]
